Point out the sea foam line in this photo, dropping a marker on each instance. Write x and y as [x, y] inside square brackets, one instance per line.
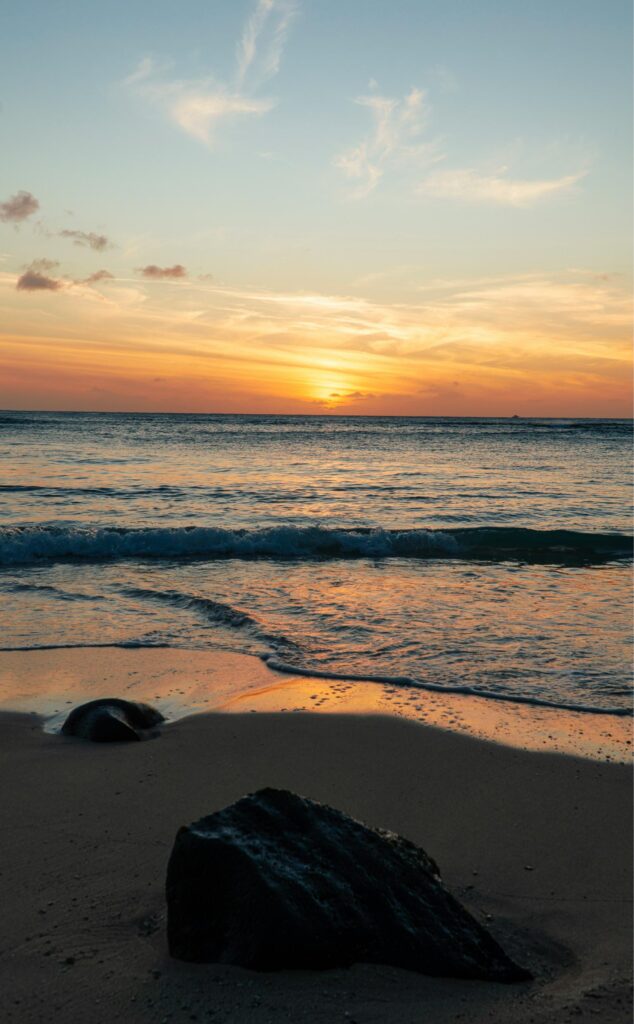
[458, 688]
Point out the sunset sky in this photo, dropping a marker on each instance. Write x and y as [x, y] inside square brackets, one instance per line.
[316, 206]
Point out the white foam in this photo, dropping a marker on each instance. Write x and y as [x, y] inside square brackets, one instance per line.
[23, 545]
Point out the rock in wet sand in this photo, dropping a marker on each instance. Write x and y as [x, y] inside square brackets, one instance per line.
[111, 720]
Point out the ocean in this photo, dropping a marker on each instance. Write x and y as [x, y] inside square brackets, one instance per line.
[490, 556]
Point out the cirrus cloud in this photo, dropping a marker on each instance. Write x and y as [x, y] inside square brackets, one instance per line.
[260, 47]
[469, 185]
[99, 275]
[199, 105]
[395, 138]
[198, 111]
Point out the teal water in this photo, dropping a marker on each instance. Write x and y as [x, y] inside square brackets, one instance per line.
[491, 555]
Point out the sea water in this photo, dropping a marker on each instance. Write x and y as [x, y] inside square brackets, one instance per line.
[476, 555]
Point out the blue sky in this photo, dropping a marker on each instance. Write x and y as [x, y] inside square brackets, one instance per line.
[339, 148]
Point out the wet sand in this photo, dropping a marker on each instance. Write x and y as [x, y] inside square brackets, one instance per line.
[535, 844]
[179, 682]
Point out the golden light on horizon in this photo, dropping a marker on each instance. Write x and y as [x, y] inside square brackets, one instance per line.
[534, 345]
[330, 381]
[329, 391]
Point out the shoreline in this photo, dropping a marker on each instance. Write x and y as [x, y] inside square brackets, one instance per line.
[181, 682]
[534, 844]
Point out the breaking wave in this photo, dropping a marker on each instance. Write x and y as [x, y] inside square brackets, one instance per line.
[23, 545]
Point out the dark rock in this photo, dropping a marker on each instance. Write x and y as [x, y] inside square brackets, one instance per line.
[278, 881]
[111, 720]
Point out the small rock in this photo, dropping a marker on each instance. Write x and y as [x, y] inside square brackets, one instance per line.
[111, 720]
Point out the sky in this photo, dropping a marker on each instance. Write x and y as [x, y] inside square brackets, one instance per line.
[309, 206]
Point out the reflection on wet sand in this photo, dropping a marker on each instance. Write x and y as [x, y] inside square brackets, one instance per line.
[181, 683]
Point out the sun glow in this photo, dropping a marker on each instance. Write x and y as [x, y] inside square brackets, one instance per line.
[520, 343]
[332, 388]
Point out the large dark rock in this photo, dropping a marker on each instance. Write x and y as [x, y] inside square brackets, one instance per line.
[279, 881]
[111, 720]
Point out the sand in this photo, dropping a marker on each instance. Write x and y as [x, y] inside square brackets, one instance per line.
[179, 681]
[536, 844]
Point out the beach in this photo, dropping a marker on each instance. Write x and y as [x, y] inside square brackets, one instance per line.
[536, 844]
[316, 535]
[423, 623]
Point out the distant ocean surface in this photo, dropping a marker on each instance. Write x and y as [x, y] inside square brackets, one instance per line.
[485, 555]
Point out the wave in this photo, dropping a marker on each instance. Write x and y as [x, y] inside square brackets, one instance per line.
[220, 614]
[418, 684]
[213, 611]
[118, 644]
[19, 420]
[24, 545]
[57, 592]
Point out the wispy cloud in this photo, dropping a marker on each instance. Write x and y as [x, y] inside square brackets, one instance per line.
[198, 111]
[87, 239]
[471, 186]
[525, 342]
[263, 38]
[146, 70]
[395, 138]
[18, 207]
[99, 275]
[161, 273]
[398, 139]
[198, 106]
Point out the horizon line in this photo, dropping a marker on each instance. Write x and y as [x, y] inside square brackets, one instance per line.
[304, 415]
